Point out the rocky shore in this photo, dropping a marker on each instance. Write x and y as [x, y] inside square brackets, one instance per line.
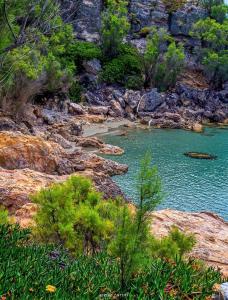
[35, 156]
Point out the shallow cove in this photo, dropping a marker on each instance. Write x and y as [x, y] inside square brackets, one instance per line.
[189, 184]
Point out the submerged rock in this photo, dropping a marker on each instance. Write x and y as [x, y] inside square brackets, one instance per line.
[199, 155]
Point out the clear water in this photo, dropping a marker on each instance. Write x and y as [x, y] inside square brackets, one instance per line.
[189, 184]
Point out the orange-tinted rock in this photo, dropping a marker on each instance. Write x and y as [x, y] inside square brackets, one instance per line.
[18, 151]
[210, 230]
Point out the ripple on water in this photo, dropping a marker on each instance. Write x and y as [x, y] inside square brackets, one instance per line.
[189, 184]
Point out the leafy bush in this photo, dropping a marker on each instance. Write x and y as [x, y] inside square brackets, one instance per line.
[162, 67]
[33, 271]
[219, 12]
[214, 41]
[32, 51]
[216, 67]
[75, 92]
[115, 26]
[167, 71]
[175, 245]
[125, 69]
[145, 31]
[3, 216]
[208, 4]
[173, 5]
[80, 51]
[71, 214]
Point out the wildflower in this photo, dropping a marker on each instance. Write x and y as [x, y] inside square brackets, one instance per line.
[50, 288]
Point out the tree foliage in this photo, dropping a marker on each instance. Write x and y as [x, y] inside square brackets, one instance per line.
[74, 215]
[214, 47]
[162, 65]
[115, 26]
[32, 49]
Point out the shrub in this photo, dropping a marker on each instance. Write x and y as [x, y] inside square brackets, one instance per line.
[115, 26]
[134, 82]
[124, 69]
[174, 5]
[72, 214]
[167, 71]
[219, 13]
[216, 67]
[208, 4]
[162, 67]
[3, 216]
[174, 246]
[75, 92]
[214, 56]
[80, 51]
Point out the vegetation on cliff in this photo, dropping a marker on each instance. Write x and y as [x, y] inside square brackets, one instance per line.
[38, 52]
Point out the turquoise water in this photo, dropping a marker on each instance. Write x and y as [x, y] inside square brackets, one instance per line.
[189, 184]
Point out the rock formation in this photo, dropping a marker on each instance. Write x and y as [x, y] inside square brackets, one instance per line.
[211, 233]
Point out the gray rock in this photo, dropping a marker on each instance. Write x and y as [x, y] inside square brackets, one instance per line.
[183, 19]
[92, 66]
[150, 101]
[75, 109]
[146, 13]
[98, 110]
[132, 98]
[116, 109]
[84, 15]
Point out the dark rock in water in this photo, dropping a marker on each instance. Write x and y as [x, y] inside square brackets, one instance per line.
[199, 155]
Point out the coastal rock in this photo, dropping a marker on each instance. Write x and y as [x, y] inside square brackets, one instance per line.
[98, 110]
[150, 101]
[132, 98]
[18, 151]
[210, 231]
[116, 109]
[16, 186]
[76, 109]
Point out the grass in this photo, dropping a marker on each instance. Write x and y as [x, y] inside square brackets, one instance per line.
[27, 269]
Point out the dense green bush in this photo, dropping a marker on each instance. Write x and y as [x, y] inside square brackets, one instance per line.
[80, 51]
[169, 68]
[3, 216]
[213, 53]
[125, 69]
[162, 67]
[115, 26]
[32, 50]
[208, 4]
[219, 12]
[72, 214]
[75, 92]
[32, 271]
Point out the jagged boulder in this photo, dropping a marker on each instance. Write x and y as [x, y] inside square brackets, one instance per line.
[150, 101]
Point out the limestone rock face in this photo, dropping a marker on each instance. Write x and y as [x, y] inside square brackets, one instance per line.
[210, 230]
[85, 16]
[146, 13]
[183, 19]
